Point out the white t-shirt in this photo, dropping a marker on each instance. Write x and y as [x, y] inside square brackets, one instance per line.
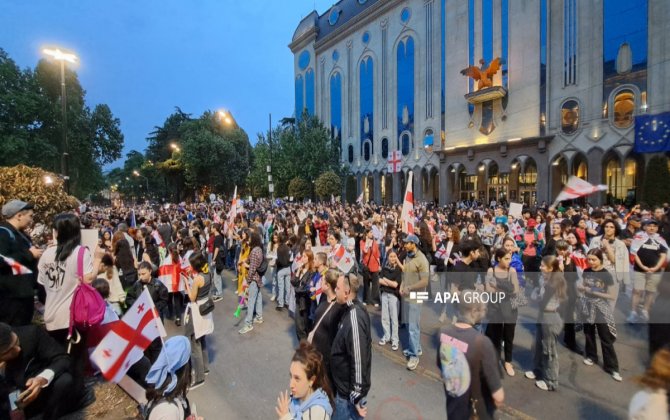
[60, 280]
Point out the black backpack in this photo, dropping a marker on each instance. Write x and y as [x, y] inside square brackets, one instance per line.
[263, 267]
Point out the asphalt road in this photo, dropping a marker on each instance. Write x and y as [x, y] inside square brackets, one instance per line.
[247, 372]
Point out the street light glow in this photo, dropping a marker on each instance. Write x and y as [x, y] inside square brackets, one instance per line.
[60, 55]
[136, 173]
[48, 180]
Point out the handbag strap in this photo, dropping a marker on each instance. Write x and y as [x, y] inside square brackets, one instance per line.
[311, 334]
[80, 274]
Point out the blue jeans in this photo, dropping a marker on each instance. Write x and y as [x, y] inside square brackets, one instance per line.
[255, 303]
[414, 327]
[390, 317]
[283, 286]
[344, 410]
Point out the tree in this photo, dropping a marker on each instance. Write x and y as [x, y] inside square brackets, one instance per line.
[655, 186]
[327, 184]
[257, 181]
[298, 188]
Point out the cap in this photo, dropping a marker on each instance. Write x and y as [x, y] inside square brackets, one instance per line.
[412, 238]
[650, 222]
[634, 219]
[14, 206]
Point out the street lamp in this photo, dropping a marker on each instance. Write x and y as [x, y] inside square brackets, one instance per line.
[224, 116]
[145, 178]
[62, 56]
[175, 147]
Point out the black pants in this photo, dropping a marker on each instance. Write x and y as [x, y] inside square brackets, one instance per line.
[78, 357]
[371, 287]
[302, 324]
[55, 400]
[610, 361]
[531, 268]
[175, 305]
[16, 311]
[502, 333]
[568, 314]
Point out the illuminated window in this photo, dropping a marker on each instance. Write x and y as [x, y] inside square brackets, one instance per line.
[619, 181]
[624, 108]
[570, 117]
[528, 178]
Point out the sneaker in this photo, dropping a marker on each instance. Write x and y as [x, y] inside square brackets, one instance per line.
[236, 292]
[617, 376]
[644, 314]
[529, 374]
[273, 298]
[246, 329]
[413, 363]
[509, 369]
[542, 385]
[632, 318]
[588, 362]
[196, 385]
[383, 342]
[376, 305]
[394, 346]
[258, 320]
[406, 353]
[279, 307]
[177, 322]
[218, 298]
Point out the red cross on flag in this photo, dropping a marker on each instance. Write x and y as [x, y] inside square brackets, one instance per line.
[395, 162]
[169, 274]
[577, 187]
[346, 263]
[125, 343]
[441, 252]
[18, 269]
[407, 213]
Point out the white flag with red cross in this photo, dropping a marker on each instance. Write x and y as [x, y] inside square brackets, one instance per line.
[407, 213]
[394, 162]
[169, 274]
[577, 187]
[232, 213]
[346, 262]
[125, 343]
[18, 269]
[158, 238]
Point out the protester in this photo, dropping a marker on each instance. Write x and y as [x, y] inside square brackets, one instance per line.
[301, 283]
[371, 258]
[17, 291]
[351, 354]
[117, 296]
[651, 403]
[199, 324]
[390, 281]
[650, 251]
[311, 397]
[549, 325]
[36, 375]
[254, 281]
[465, 353]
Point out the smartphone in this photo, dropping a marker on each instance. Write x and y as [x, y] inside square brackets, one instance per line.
[13, 399]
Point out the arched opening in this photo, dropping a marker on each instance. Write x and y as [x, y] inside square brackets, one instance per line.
[528, 182]
[580, 167]
[428, 140]
[624, 108]
[351, 194]
[366, 150]
[498, 184]
[385, 148]
[350, 154]
[622, 182]
[559, 174]
[467, 185]
[405, 143]
[569, 117]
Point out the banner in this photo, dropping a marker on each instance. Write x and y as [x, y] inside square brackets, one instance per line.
[652, 133]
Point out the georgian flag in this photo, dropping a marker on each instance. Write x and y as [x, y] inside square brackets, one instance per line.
[441, 252]
[169, 274]
[577, 187]
[407, 213]
[125, 343]
[232, 213]
[18, 269]
[346, 263]
[158, 238]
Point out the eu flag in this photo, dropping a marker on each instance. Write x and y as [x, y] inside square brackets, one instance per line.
[652, 133]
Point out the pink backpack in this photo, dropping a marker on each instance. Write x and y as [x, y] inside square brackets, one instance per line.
[87, 308]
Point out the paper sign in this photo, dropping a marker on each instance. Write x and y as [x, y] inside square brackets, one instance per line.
[89, 238]
[515, 209]
[302, 215]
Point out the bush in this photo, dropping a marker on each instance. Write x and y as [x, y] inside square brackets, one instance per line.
[327, 184]
[298, 188]
[655, 186]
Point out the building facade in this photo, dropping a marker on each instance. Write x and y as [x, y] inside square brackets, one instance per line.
[567, 78]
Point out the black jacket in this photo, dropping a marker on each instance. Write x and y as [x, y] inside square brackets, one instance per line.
[351, 354]
[38, 352]
[16, 245]
[157, 290]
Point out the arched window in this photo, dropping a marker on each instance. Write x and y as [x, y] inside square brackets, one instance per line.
[569, 117]
[336, 105]
[366, 150]
[366, 106]
[428, 140]
[350, 151]
[385, 148]
[405, 85]
[624, 107]
[405, 143]
[299, 96]
[309, 91]
[620, 180]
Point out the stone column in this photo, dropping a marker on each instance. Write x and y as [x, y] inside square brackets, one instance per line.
[397, 191]
[378, 187]
[416, 185]
[595, 175]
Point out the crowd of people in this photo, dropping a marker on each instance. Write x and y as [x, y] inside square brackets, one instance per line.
[329, 266]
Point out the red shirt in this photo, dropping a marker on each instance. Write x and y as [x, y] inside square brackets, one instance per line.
[370, 256]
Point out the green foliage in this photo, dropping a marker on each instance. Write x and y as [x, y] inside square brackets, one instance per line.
[327, 184]
[31, 124]
[303, 149]
[655, 186]
[299, 189]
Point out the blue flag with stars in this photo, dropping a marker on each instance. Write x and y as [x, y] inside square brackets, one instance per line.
[652, 133]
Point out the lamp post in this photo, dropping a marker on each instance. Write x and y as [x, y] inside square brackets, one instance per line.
[136, 173]
[271, 186]
[62, 56]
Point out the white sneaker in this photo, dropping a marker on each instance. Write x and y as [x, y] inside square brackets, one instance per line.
[588, 362]
[413, 363]
[644, 314]
[246, 329]
[258, 320]
[383, 342]
[632, 318]
[394, 346]
[617, 376]
[530, 374]
[273, 298]
[542, 385]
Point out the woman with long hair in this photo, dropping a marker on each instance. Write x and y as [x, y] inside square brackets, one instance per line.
[125, 263]
[300, 282]
[272, 262]
[568, 266]
[254, 284]
[597, 315]
[242, 262]
[310, 396]
[198, 294]
[59, 273]
[651, 403]
[549, 325]
[502, 316]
